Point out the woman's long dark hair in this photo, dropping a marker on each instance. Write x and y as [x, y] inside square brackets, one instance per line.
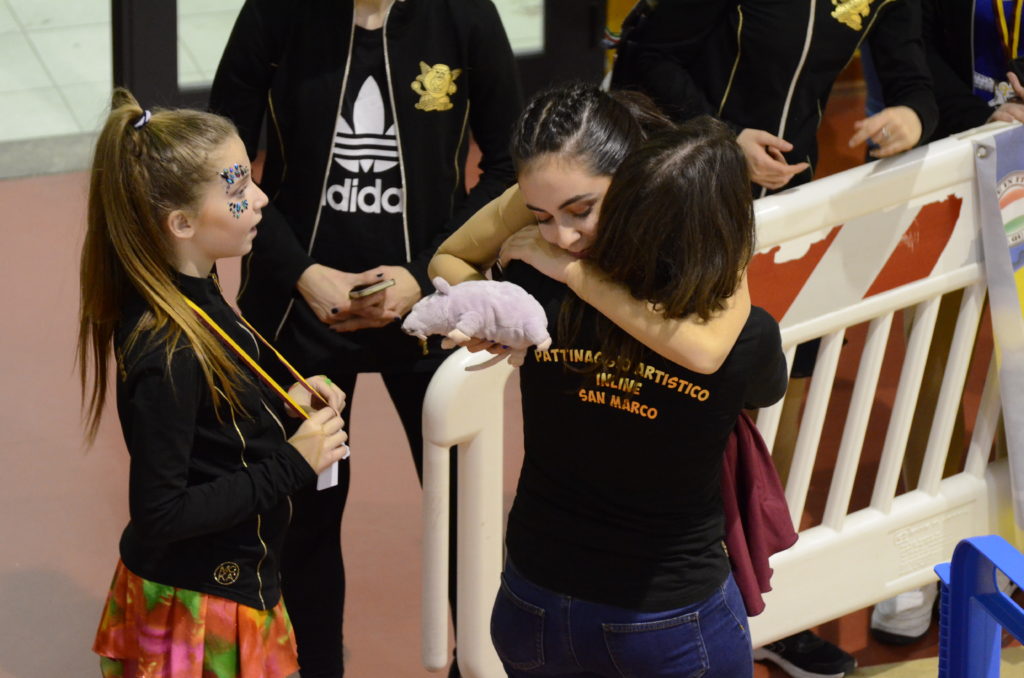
[676, 228]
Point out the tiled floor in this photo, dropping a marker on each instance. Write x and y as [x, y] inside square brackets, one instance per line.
[55, 57]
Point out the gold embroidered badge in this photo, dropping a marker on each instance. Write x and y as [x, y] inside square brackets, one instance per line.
[1004, 92]
[227, 573]
[435, 84]
[851, 12]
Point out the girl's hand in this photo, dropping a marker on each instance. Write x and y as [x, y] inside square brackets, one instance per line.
[528, 245]
[475, 345]
[320, 439]
[326, 291]
[763, 151]
[1008, 112]
[330, 392]
[894, 129]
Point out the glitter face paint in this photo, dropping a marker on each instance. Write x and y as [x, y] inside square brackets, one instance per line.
[237, 208]
[231, 175]
[234, 173]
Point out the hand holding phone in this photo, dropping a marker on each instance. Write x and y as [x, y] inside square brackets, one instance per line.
[362, 291]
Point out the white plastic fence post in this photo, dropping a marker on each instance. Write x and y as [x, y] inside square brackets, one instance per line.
[479, 552]
[434, 613]
[811, 424]
[903, 407]
[986, 423]
[952, 389]
[464, 406]
[861, 402]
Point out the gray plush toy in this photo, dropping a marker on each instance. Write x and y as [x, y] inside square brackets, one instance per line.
[501, 312]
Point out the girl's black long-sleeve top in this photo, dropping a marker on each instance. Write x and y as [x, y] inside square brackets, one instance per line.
[208, 497]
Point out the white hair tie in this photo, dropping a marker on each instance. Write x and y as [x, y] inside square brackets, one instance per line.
[143, 119]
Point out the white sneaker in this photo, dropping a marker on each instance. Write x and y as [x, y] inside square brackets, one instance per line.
[904, 618]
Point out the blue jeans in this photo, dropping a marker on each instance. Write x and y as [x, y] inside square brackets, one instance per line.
[538, 632]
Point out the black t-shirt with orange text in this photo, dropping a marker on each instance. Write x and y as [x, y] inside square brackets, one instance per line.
[619, 499]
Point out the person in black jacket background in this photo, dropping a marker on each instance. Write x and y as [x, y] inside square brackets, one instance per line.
[969, 56]
[370, 106]
[767, 69]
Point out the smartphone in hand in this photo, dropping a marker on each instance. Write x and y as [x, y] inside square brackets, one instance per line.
[366, 290]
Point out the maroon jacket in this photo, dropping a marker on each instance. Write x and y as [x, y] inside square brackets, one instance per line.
[757, 522]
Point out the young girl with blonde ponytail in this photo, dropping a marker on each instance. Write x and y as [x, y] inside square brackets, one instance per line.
[196, 591]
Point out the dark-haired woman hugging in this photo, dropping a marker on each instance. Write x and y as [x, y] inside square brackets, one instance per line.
[616, 564]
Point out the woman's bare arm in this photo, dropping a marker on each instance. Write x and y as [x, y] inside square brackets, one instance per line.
[701, 346]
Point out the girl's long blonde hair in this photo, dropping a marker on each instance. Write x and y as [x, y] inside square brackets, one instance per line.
[140, 174]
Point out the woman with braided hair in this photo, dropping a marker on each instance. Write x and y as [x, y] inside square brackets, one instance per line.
[570, 122]
[615, 557]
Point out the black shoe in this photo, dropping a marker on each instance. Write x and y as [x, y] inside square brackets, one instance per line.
[805, 655]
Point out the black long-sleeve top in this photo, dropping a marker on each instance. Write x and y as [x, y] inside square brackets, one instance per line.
[208, 498]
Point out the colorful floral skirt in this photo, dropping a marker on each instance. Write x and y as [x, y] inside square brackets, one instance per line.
[150, 630]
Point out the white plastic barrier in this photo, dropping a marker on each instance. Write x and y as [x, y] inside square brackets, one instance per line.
[850, 560]
[463, 406]
[853, 560]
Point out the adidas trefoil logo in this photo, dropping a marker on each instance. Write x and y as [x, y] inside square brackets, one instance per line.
[364, 146]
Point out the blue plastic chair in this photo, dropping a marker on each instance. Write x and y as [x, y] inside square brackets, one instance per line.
[973, 609]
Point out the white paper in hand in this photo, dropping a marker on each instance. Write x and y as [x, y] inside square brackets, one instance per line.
[329, 476]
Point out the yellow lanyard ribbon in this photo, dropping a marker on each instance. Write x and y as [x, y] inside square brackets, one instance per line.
[253, 365]
[1011, 44]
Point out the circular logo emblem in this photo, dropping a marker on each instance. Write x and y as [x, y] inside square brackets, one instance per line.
[1010, 192]
[226, 573]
